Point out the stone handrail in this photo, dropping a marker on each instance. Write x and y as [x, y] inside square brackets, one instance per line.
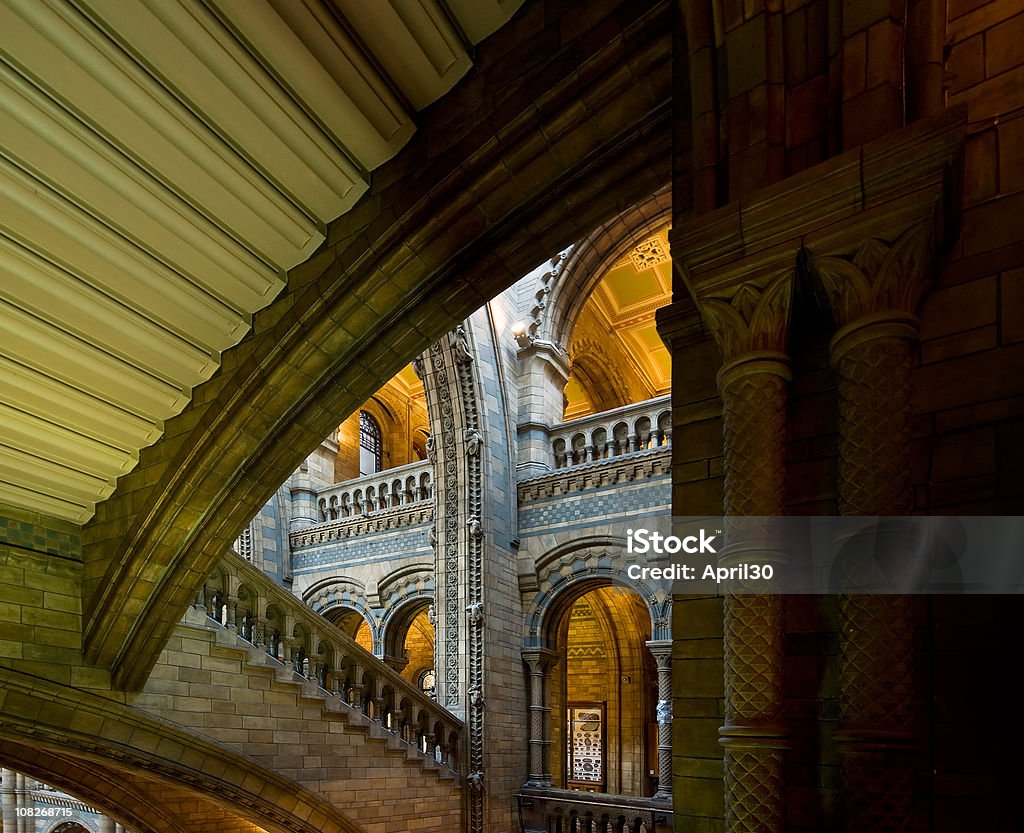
[612, 433]
[400, 486]
[547, 808]
[240, 597]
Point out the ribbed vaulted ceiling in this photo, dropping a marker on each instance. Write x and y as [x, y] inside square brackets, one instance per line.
[163, 163]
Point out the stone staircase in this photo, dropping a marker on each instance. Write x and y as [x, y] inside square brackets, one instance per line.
[313, 706]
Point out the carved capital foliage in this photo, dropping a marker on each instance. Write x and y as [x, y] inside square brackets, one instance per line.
[752, 318]
[880, 277]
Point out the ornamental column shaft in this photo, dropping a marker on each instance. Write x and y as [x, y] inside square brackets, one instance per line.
[750, 319]
[661, 650]
[873, 295]
[540, 662]
[21, 803]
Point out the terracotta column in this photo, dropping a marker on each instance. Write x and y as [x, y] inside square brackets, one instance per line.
[874, 294]
[539, 661]
[750, 323]
[661, 650]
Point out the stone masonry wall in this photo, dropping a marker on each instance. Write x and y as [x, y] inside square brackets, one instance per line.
[215, 688]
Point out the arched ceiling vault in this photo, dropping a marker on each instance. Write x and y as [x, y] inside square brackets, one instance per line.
[543, 140]
[164, 164]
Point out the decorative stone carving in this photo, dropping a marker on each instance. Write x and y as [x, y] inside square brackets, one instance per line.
[460, 345]
[475, 614]
[459, 506]
[431, 450]
[546, 283]
[474, 439]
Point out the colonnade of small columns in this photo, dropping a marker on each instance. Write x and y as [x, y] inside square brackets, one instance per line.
[542, 663]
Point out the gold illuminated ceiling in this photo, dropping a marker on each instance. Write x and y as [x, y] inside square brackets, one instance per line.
[626, 300]
[163, 164]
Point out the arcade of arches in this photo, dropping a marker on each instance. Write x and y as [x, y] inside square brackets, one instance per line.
[311, 476]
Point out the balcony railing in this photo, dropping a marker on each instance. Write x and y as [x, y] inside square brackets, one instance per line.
[613, 433]
[547, 810]
[400, 486]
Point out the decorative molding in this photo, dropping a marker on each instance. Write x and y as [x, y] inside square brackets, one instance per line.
[649, 253]
[382, 521]
[626, 468]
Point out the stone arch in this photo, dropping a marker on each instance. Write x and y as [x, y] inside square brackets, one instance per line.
[569, 570]
[335, 598]
[126, 755]
[70, 827]
[396, 629]
[591, 258]
[598, 375]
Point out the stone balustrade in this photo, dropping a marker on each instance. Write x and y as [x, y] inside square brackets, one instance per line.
[613, 433]
[273, 621]
[400, 486]
[571, 811]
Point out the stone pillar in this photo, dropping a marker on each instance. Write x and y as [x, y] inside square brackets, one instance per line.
[874, 294]
[753, 391]
[749, 317]
[661, 650]
[539, 661]
[21, 802]
[8, 801]
[543, 372]
[106, 824]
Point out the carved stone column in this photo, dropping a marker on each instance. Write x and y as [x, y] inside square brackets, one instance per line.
[874, 294]
[8, 800]
[750, 324]
[22, 801]
[661, 650]
[539, 661]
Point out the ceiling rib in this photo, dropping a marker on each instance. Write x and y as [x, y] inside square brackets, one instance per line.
[164, 163]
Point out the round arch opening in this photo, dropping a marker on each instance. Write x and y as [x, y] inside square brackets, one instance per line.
[353, 623]
[604, 690]
[409, 644]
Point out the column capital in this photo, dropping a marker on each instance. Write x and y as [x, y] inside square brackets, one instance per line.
[875, 289]
[661, 650]
[539, 659]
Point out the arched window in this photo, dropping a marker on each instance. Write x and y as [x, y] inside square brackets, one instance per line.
[370, 442]
[428, 679]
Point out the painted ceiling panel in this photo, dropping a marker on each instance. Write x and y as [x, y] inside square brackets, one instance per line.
[163, 164]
